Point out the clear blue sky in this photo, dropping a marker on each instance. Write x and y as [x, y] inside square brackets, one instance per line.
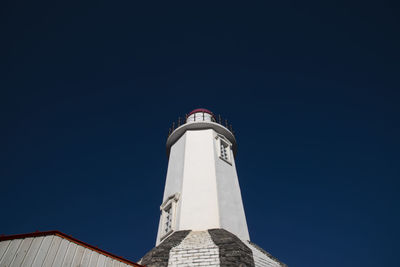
[90, 88]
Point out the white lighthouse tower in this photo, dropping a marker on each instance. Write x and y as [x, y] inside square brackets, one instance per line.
[202, 189]
[202, 219]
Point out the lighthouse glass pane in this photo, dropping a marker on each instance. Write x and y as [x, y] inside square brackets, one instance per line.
[168, 219]
[224, 150]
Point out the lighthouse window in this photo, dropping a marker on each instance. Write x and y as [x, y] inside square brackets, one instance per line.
[168, 215]
[168, 220]
[224, 149]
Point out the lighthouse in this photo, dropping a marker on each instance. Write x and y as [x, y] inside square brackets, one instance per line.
[202, 218]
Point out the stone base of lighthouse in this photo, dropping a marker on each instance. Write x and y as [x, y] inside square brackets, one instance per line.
[214, 247]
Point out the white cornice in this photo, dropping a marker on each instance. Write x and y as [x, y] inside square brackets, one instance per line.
[201, 125]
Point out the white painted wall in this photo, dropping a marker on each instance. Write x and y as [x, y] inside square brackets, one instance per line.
[199, 202]
[232, 216]
[176, 162]
[174, 180]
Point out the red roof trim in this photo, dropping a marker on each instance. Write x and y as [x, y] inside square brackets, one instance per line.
[70, 238]
[201, 110]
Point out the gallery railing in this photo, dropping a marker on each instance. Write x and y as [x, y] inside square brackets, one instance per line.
[181, 121]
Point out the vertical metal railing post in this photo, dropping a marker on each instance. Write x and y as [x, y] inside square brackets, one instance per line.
[219, 120]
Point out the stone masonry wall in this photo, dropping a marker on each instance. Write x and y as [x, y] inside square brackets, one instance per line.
[197, 249]
[232, 250]
[214, 248]
[159, 256]
[263, 258]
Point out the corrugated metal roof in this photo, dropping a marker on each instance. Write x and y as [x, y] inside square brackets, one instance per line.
[54, 248]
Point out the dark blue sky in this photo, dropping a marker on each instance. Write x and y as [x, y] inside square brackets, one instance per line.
[89, 90]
